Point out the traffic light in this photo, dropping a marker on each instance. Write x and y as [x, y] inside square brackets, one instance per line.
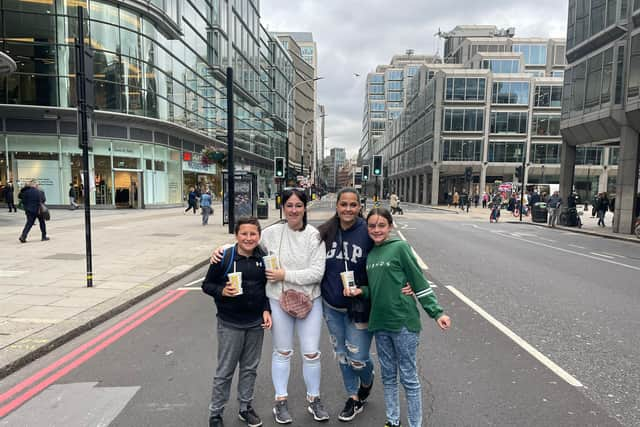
[468, 173]
[377, 165]
[278, 167]
[365, 172]
[519, 173]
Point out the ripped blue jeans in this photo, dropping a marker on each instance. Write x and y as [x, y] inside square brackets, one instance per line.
[352, 349]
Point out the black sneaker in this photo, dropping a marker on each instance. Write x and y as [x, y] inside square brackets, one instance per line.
[316, 408]
[390, 424]
[351, 409]
[365, 391]
[250, 417]
[281, 412]
[216, 421]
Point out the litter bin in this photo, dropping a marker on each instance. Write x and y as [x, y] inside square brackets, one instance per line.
[539, 212]
[263, 209]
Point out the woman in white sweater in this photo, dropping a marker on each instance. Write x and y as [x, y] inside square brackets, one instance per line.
[302, 261]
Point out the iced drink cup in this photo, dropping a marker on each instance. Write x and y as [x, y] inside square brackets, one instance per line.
[236, 281]
[271, 262]
[348, 281]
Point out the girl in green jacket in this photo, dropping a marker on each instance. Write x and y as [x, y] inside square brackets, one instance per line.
[394, 318]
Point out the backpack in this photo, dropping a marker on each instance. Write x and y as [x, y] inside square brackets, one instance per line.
[227, 260]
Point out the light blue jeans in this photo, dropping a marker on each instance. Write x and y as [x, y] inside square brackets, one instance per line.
[352, 349]
[309, 330]
[397, 352]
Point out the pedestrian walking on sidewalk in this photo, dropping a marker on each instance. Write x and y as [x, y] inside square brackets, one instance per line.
[33, 199]
[72, 197]
[301, 255]
[485, 200]
[242, 316]
[394, 203]
[205, 206]
[8, 196]
[394, 318]
[602, 207]
[192, 200]
[553, 204]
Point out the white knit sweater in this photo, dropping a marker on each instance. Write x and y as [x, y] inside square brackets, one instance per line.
[302, 256]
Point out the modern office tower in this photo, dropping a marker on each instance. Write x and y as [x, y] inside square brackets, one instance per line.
[303, 50]
[160, 97]
[385, 98]
[332, 164]
[493, 111]
[601, 103]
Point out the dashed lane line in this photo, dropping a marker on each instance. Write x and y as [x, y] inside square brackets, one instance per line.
[613, 255]
[519, 341]
[577, 246]
[602, 255]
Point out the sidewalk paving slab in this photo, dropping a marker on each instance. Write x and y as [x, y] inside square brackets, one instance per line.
[44, 301]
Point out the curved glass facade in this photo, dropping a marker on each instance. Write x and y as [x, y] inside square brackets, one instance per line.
[154, 59]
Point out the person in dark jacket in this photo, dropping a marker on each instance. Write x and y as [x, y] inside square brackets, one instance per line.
[192, 200]
[8, 196]
[32, 197]
[602, 207]
[72, 197]
[242, 317]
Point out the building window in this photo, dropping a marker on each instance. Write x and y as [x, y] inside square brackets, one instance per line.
[509, 122]
[506, 151]
[634, 68]
[505, 66]
[465, 89]
[589, 155]
[545, 153]
[465, 150]
[395, 75]
[548, 96]
[463, 120]
[544, 125]
[559, 55]
[510, 93]
[534, 54]
[614, 152]
[619, 74]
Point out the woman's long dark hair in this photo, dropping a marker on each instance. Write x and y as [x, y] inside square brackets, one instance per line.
[303, 198]
[329, 228]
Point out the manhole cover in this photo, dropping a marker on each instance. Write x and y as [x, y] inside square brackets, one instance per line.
[165, 235]
[67, 257]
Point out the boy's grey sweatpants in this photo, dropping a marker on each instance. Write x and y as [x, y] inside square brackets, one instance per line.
[236, 346]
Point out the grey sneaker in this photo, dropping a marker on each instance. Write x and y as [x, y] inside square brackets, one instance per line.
[250, 417]
[281, 412]
[316, 408]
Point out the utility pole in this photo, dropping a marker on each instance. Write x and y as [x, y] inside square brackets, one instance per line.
[84, 90]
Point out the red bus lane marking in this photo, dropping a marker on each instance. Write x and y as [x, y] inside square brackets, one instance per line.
[12, 405]
[35, 377]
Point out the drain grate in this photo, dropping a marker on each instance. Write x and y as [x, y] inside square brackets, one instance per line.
[66, 257]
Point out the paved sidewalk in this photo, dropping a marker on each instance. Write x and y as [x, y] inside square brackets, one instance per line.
[589, 224]
[44, 300]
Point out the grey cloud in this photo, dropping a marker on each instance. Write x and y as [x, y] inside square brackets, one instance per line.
[353, 36]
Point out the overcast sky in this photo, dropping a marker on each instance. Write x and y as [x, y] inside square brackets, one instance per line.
[354, 36]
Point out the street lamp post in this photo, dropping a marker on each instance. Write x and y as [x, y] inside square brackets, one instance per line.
[286, 161]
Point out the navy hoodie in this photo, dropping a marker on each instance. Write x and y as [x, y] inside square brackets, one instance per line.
[356, 244]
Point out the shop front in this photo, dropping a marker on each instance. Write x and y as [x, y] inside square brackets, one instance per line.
[200, 176]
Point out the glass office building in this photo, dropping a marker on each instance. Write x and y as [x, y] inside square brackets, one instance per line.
[160, 96]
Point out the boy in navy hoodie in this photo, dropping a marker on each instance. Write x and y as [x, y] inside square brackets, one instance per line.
[242, 319]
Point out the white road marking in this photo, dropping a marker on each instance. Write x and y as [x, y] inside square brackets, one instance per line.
[613, 255]
[604, 256]
[188, 289]
[519, 341]
[546, 240]
[194, 282]
[577, 246]
[632, 267]
[421, 263]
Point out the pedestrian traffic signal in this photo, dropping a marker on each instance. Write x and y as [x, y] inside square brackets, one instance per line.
[377, 165]
[365, 173]
[278, 167]
[519, 173]
[468, 173]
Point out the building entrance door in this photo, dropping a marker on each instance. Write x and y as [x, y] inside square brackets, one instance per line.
[128, 187]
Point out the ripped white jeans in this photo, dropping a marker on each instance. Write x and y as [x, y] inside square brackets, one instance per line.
[309, 330]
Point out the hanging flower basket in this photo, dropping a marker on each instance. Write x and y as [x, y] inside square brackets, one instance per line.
[211, 156]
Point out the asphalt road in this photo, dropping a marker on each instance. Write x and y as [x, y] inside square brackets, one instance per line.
[578, 310]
